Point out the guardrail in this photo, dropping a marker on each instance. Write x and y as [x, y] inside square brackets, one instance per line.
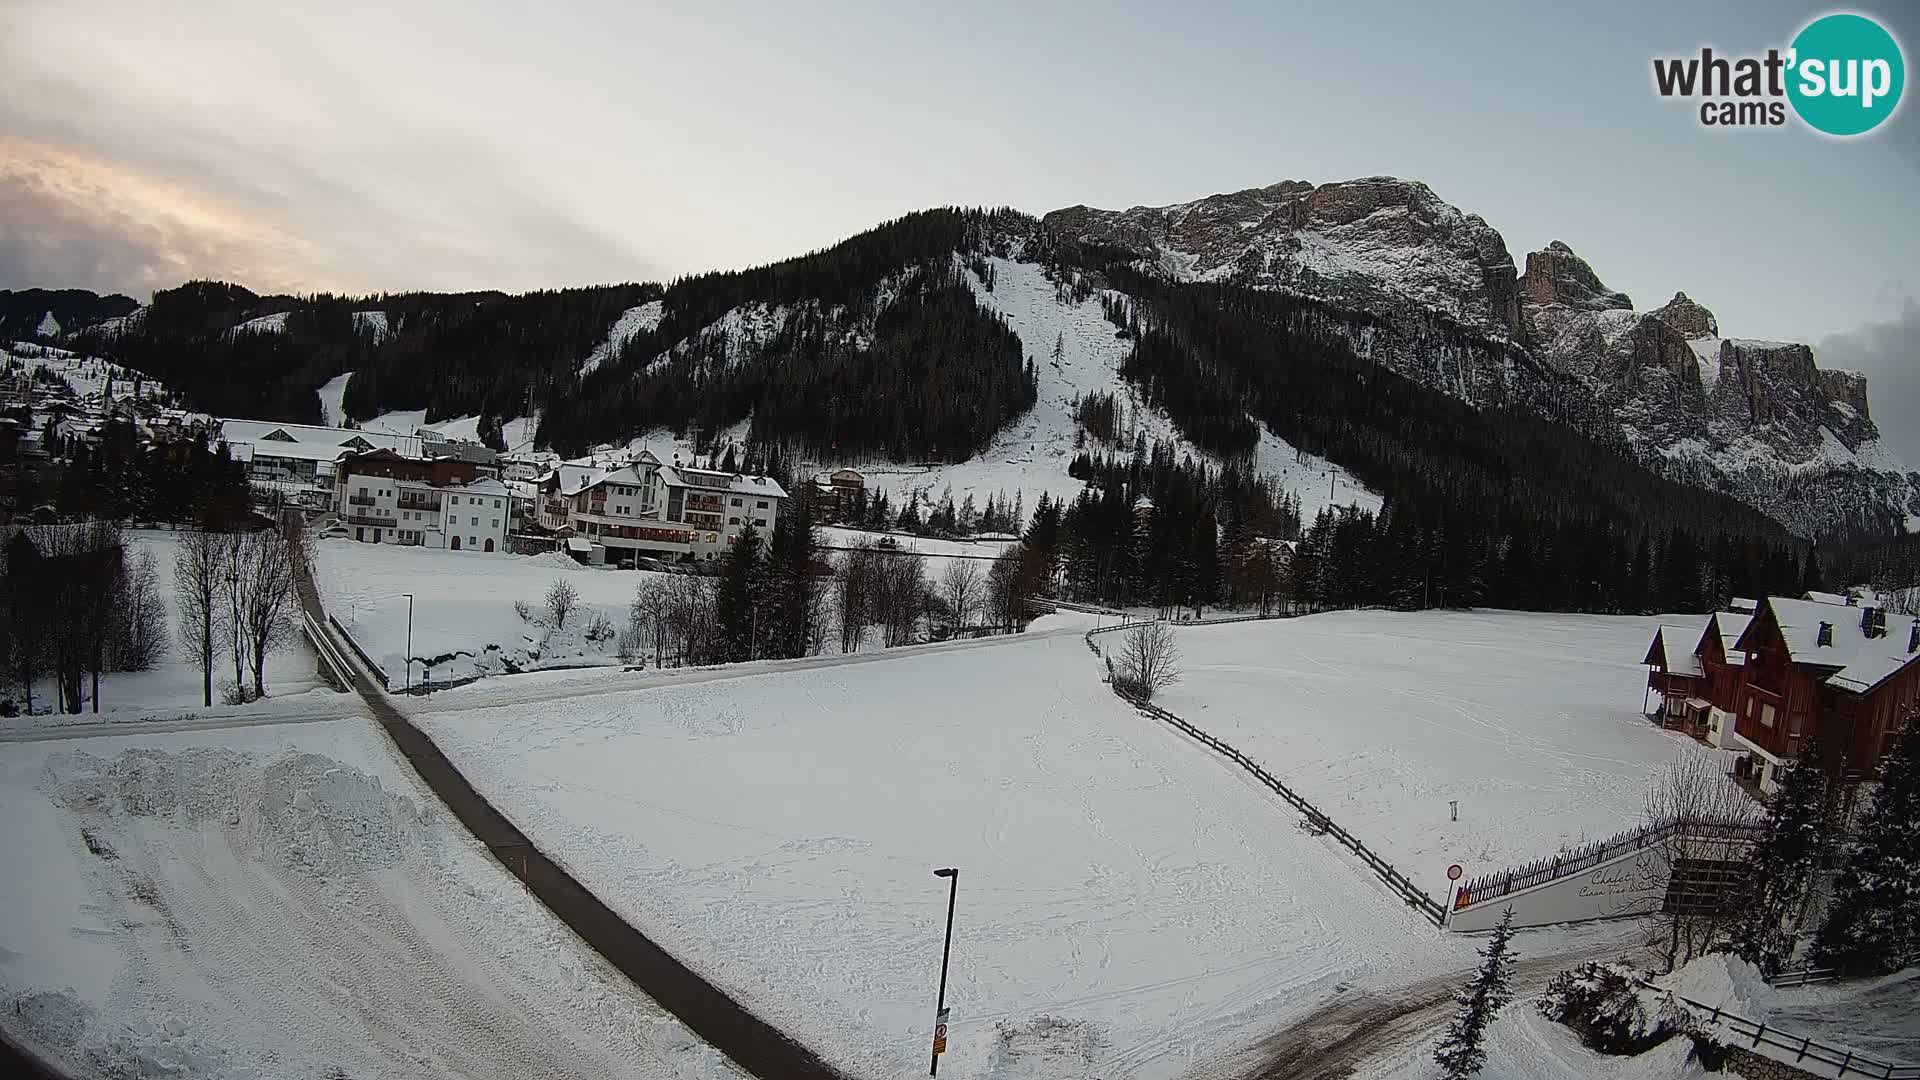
[385, 683]
[1503, 883]
[328, 652]
[1756, 1034]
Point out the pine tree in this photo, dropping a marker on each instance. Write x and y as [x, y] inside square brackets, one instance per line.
[1873, 921]
[1460, 1053]
[1781, 871]
[736, 606]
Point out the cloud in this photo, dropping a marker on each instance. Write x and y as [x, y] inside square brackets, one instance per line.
[70, 221]
[1889, 354]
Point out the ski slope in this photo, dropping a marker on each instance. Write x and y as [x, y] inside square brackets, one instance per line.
[778, 831]
[1532, 722]
[289, 902]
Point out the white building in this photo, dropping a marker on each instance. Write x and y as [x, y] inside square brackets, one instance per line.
[648, 510]
[299, 459]
[385, 498]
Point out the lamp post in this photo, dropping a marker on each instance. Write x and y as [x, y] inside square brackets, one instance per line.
[952, 874]
[409, 656]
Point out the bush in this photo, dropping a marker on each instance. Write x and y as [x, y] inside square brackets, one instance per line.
[562, 598]
[1606, 1006]
[524, 610]
[600, 629]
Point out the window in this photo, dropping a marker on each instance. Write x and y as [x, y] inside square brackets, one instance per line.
[733, 521]
[1766, 716]
[736, 502]
[473, 521]
[761, 505]
[496, 523]
[456, 500]
[472, 541]
[760, 523]
[496, 504]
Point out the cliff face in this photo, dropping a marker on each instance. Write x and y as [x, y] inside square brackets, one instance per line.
[1757, 419]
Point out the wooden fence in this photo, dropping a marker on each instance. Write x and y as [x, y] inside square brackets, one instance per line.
[1567, 863]
[1757, 1036]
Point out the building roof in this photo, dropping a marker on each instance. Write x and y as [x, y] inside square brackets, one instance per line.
[485, 485]
[254, 431]
[293, 451]
[1730, 626]
[1671, 651]
[1742, 604]
[1859, 662]
[1828, 598]
[760, 486]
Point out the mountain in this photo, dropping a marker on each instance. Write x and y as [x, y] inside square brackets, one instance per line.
[34, 314]
[1359, 340]
[1755, 419]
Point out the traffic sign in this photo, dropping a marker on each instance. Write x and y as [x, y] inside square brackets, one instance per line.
[940, 1034]
[1454, 872]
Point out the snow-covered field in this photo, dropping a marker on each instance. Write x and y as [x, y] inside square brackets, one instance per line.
[288, 902]
[464, 623]
[779, 832]
[1531, 722]
[173, 687]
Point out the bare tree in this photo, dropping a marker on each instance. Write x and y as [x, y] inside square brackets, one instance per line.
[266, 615]
[562, 598]
[858, 571]
[198, 585]
[901, 598]
[1149, 660]
[961, 584]
[141, 633]
[1691, 805]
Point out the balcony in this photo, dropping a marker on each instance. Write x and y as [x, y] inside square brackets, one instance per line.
[360, 500]
[369, 519]
[430, 505]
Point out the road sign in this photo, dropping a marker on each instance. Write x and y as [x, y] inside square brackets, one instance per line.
[940, 1034]
[1454, 872]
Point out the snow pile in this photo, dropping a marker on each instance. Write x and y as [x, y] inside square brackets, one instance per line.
[1045, 1048]
[304, 812]
[287, 902]
[631, 324]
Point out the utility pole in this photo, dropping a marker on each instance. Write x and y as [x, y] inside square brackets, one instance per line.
[409, 658]
[952, 874]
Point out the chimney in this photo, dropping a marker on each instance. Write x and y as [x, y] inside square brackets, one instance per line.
[1913, 637]
[1852, 600]
[1873, 622]
[1825, 636]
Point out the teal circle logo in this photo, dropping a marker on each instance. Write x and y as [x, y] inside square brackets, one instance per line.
[1847, 74]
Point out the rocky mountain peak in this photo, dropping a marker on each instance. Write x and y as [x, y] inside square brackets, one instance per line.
[1381, 243]
[1687, 318]
[1555, 275]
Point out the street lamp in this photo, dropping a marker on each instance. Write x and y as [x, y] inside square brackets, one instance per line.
[409, 656]
[952, 874]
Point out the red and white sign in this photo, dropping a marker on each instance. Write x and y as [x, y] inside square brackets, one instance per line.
[940, 1034]
[1454, 872]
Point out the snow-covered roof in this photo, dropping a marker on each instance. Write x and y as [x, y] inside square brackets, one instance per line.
[486, 485]
[1730, 626]
[297, 451]
[254, 431]
[1827, 598]
[1673, 648]
[1862, 662]
[1741, 603]
[573, 478]
[764, 487]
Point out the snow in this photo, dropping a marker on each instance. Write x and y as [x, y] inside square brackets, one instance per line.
[174, 686]
[87, 375]
[1532, 722]
[632, 323]
[332, 393]
[1523, 1045]
[517, 432]
[275, 323]
[463, 618]
[49, 326]
[1032, 453]
[1707, 351]
[373, 321]
[289, 902]
[777, 828]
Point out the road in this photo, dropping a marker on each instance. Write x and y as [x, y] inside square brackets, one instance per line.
[753, 1044]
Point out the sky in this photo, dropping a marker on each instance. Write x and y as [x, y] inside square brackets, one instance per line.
[459, 144]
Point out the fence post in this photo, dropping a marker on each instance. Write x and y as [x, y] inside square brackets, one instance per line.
[1757, 1032]
[1805, 1041]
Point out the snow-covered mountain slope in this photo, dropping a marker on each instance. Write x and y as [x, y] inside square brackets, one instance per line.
[1757, 420]
[275, 323]
[631, 323]
[1075, 353]
[373, 322]
[89, 376]
[332, 392]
